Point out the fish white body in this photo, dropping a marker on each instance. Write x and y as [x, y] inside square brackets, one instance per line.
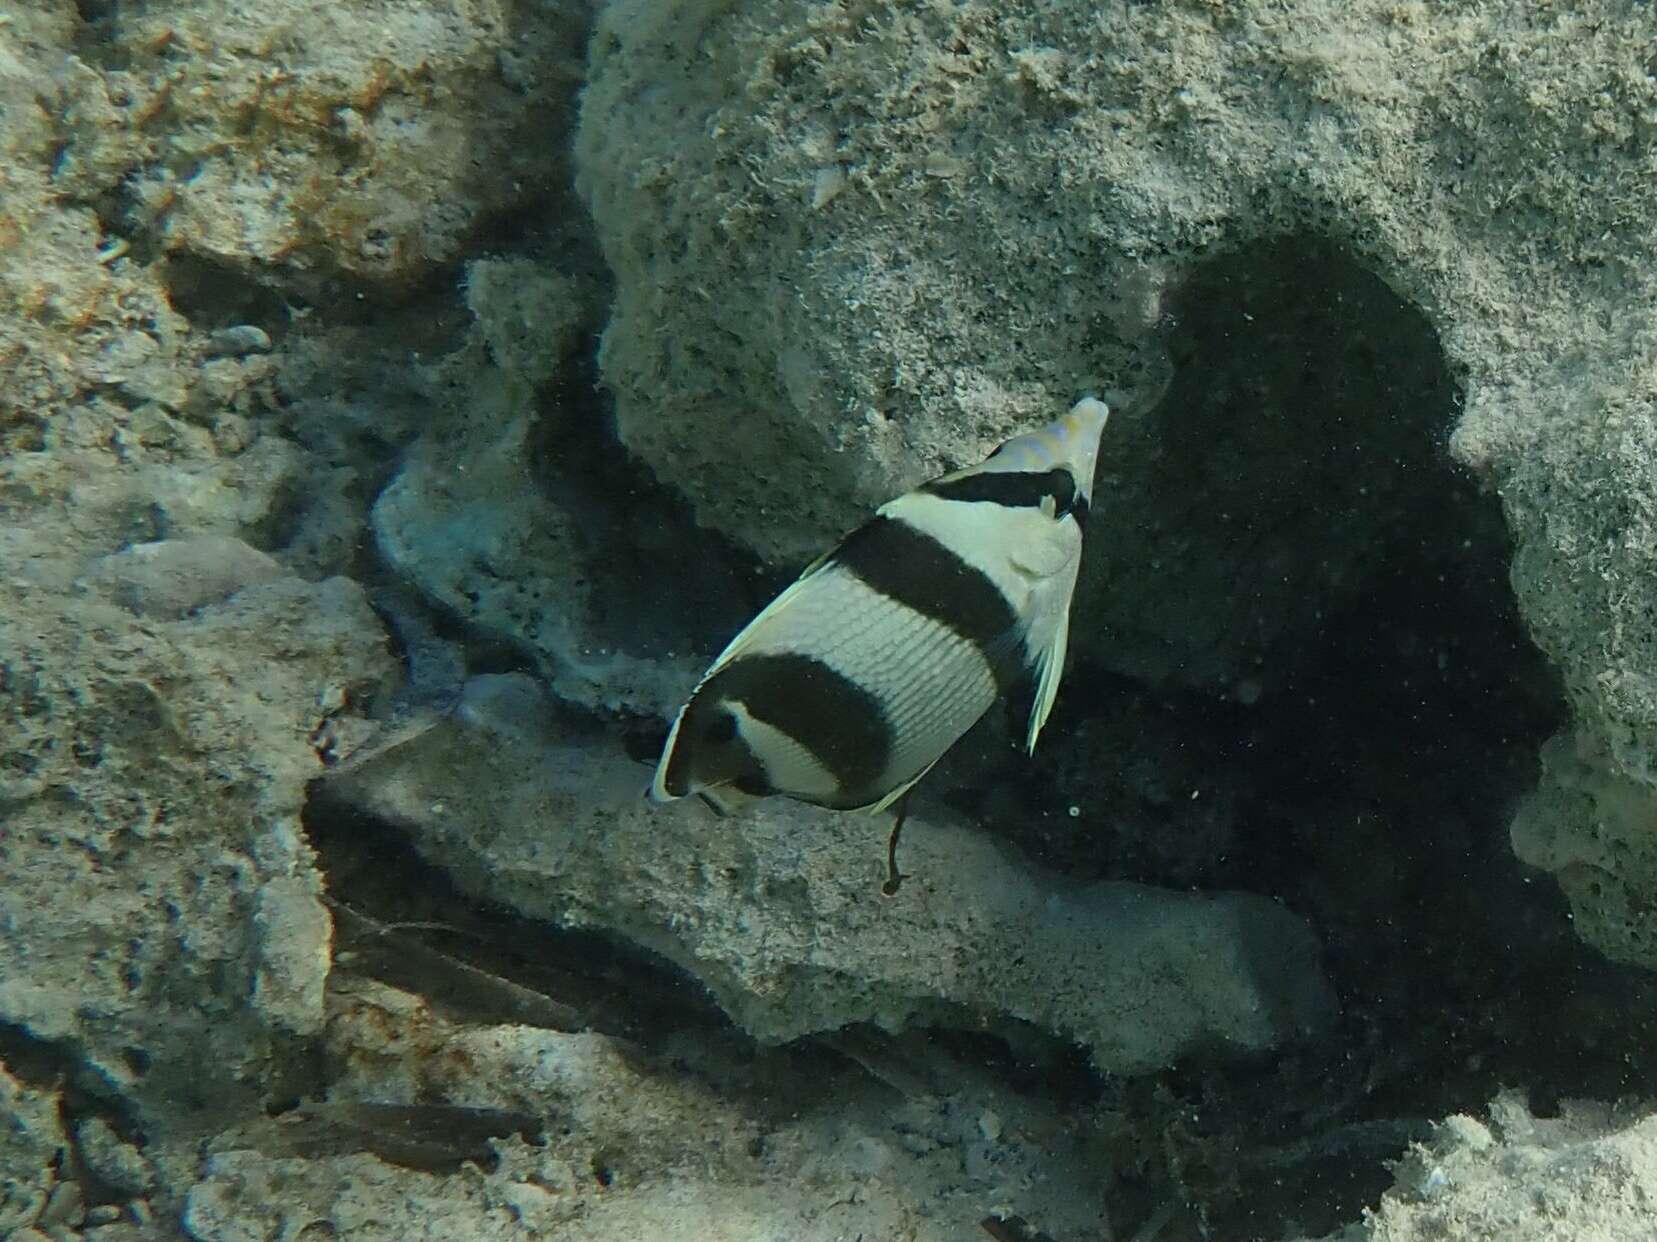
[855, 680]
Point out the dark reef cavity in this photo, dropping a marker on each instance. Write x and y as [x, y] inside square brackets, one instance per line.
[1364, 771]
[406, 922]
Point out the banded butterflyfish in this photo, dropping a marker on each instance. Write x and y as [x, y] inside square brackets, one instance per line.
[856, 679]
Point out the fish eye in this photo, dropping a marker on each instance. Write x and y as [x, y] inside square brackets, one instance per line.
[721, 729]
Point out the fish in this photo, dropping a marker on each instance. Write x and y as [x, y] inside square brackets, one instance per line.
[848, 688]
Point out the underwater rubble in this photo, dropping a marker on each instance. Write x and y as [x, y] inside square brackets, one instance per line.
[404, 403]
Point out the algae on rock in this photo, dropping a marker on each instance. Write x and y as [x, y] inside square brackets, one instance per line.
[310, 142]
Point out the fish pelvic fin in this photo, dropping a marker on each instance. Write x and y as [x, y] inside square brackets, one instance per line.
[885, 803]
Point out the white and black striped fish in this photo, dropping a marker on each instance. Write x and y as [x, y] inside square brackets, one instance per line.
[856, 679]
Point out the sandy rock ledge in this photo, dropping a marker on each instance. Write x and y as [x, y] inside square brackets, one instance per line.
[559, 830]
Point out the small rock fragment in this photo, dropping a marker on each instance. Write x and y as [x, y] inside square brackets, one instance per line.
[238, 342]
[294, 954]
[826, 186]
[102, 1214]
[64, 1206]
[112, 1159]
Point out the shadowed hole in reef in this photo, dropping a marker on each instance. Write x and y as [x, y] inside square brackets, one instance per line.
[1352, 712]
[642, 536]
[370, 868]
[403, 921]
[425, 315]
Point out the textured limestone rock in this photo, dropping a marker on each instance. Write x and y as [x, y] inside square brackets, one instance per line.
[89, 317]
[888, 351]
[32, 1148]
[111, 1159]
[634, 1148]
[166, 580]
[116, 426]
[1591, 1172]
[76, 313]
[300, 143]
[465, 522]
[1595, 829]
[778, 912]
[1583, 501]
[162, 921]
[527, 316]
[325, 142]
[862, 248]
[498, 514]
[245, 1195]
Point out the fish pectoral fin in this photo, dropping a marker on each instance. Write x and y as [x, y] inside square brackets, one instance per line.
[1036, 565]
[1045, 554]
[1047, 669]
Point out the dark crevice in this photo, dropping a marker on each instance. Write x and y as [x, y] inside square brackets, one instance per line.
[55, 1066]
[121, 216]
[618, 989]
[94, 40]
[1024, 1058]
[213, 294]
[1354, 712]
[644, 535]
[405, 922]
[425, 316]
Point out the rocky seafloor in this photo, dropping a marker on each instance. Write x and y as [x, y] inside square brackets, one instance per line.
[401, 403]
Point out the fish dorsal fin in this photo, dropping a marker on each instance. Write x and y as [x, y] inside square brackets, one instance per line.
[745, 636]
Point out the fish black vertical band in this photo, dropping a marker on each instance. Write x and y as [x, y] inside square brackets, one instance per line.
[831, 716]
[1015, 489]
[911, 567]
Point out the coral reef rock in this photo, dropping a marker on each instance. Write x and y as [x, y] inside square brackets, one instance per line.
[779, 913]
[500, 515]
[299, 319]
[863, 247]
[32, 1150]
[162, 918]
[1591, 1172]
[320, 142]
[1595, 829]
[632, 1147]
